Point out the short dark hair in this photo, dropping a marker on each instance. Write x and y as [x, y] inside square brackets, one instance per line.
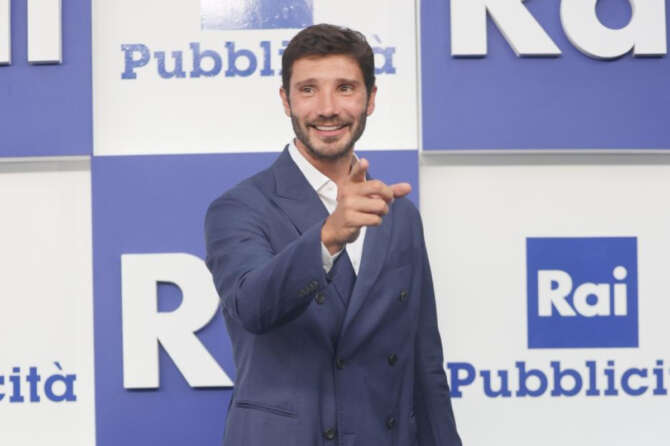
[324, 39]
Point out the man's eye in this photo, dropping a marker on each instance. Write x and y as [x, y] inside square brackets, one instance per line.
[346, 87]
[307, 89]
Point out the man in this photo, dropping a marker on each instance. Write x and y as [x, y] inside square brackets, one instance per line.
[324, 279]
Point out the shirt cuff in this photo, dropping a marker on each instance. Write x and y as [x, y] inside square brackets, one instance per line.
[327, 258]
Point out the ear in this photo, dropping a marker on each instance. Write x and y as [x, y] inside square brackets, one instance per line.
[285, 101]
[371, 100]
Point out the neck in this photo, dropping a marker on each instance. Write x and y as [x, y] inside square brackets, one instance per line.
[335, 169]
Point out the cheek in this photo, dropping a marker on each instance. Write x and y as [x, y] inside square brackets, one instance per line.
[300, 109]
[357, 107]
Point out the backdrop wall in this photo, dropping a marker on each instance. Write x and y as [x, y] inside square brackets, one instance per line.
[547, 255]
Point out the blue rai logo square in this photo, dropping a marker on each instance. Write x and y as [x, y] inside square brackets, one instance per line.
[582, 292]
[256, 14]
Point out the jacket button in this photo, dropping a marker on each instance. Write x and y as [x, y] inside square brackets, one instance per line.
[339, 363]
[320, 298]
[403, 296]
[329, 434]
[390, 422]
[392, 358]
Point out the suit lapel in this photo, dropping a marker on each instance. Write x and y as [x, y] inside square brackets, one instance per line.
[295, 195]
[301, 204]
[304, 208]
[375, 245]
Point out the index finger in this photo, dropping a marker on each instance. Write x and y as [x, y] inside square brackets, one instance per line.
[357, 173]
[376, 188]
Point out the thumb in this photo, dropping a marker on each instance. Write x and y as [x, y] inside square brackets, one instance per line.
[357, 173]
[400, 189]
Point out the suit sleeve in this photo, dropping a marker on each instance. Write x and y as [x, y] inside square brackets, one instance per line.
[434, 415]
[258, 287]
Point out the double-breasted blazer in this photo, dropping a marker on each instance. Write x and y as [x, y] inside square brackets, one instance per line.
[310, 368]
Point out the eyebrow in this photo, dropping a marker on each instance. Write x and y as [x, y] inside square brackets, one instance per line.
[306, 81]
[338, 80]
[347, 81]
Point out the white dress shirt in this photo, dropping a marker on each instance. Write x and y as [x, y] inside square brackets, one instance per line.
[326, 189]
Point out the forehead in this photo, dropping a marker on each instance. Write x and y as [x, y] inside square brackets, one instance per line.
[324, 68]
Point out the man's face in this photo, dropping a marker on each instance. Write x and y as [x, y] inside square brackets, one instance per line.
[328, 104]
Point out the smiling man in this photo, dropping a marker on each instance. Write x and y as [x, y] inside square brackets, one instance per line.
[323, 276]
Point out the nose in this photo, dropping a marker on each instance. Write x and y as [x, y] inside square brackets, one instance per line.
[327, 104]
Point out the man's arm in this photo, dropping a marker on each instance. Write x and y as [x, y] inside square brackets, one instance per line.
[435, 421]
[263, 289]
[260, 288]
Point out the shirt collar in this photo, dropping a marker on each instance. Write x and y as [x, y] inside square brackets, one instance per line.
[315, 178]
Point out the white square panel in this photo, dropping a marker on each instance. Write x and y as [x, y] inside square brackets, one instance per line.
[143, 112]
[477, 218]
[47, 303]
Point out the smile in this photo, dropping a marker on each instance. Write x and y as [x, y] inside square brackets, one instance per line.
[329, 128]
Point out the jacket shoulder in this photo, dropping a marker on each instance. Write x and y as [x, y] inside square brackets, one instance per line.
[405, 210]
[253, 189]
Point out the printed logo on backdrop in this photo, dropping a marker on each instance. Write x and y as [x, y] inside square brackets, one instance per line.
[232, 59]
[33, 385]
[644, 33]
[582, 293]
[44, 23]
[256, 14]
[146, 325]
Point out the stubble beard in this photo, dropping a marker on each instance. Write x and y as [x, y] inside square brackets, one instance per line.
[302, 135]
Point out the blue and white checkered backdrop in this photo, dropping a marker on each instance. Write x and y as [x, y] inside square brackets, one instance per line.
[534, 134]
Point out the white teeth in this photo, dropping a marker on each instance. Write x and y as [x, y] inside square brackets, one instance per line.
[327, 128]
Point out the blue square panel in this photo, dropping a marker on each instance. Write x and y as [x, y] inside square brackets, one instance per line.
[571, 101]
[46, 109]
[148, 235]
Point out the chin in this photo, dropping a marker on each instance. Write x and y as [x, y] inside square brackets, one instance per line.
[329, 152]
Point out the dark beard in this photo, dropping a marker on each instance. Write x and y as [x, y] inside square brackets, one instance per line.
[302, 137]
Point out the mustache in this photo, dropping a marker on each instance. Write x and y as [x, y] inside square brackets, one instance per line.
[328, 122]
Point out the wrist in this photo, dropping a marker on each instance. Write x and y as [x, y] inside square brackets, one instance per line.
[329, 241]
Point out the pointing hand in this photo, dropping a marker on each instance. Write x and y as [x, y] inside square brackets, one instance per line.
[359, 203]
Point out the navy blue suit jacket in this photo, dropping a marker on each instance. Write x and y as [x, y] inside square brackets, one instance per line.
[322, 373]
